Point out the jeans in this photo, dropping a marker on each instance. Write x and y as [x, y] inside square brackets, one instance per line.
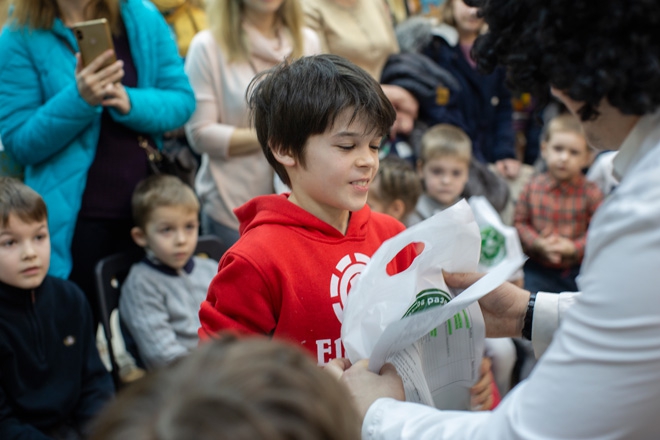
[547, 279]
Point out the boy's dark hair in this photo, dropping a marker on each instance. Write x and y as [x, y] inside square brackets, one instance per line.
[589, 50]
[160, 190]
[19, 199]
[228, 389]
[398, 180]
[301, 98]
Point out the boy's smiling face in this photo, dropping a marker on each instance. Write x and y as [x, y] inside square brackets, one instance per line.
[24, 252]
[339, 166]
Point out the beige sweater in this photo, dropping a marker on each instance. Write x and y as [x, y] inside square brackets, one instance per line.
[362, 33]
[224, 183]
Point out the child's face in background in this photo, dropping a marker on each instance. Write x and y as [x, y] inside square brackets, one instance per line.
[444, 178]
[466, 18]
[378, 204]
[24, 253]
[171, 234]
[565, 154]
[375, 202]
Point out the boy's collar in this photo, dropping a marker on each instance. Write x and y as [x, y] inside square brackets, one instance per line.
[151, 260]
[637, 144]
[16, 295]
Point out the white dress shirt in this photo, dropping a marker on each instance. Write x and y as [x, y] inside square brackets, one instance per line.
[600, 376]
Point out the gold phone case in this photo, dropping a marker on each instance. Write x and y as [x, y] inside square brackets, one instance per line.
[94, 38]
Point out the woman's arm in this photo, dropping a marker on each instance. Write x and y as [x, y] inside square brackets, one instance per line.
[34, 129]
[205, 131]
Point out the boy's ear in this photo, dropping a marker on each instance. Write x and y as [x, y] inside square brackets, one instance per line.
[139, 237]
[420, 166]
[396, 209]
[282, 156]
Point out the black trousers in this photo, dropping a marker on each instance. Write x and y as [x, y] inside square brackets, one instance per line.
[94, 239]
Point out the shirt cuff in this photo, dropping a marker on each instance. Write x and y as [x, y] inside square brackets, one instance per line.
[549, 311]
[374, 418]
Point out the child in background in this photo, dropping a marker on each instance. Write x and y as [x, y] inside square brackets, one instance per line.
[248, 389]
[443, 165]
[554, 209]
[52, 381]
[320, 121]
[160, 298]
[396, 189]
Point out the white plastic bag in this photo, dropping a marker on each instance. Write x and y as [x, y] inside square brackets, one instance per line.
[435, 340]
[499, 243]
[438, 359]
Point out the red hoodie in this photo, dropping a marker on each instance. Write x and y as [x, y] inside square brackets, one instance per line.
[289, 273]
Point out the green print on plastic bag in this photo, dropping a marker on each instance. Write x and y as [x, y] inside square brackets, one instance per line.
[429, 298]
[493, 249]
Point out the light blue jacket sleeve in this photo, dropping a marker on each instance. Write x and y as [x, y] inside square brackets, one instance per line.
[33, 130]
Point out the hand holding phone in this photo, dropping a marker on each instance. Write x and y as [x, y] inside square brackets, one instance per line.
[94, 38]
[98, 73]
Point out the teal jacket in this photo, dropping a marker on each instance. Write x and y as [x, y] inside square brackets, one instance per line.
[47, 126]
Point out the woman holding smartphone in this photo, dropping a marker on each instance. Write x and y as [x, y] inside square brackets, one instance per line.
[245, 38]
[77, 129]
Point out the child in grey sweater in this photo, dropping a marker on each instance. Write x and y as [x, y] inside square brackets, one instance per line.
[160, 299]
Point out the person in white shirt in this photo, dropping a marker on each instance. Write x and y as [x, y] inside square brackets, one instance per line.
[600, 375]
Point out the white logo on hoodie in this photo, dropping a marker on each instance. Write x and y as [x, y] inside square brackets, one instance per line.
[346, 273]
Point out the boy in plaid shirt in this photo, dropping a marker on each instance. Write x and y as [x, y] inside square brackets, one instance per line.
[554, 209]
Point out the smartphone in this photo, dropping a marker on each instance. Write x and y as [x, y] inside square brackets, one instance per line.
[94, 38]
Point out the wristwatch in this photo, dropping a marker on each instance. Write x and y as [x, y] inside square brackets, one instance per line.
[529, 317]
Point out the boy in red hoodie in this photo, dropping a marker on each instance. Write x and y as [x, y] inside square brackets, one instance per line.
[320, 121]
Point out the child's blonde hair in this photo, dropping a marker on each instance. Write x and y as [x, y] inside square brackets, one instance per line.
[157, 191]
[19, 199]
[445, 140]
[565, 122]
[398, 180]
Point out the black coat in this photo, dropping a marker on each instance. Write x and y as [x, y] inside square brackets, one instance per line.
[484, 103]
[51, 375]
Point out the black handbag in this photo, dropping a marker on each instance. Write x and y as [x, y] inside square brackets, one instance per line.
[176, 160]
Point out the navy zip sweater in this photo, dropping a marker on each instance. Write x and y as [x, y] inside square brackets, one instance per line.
[51, 375]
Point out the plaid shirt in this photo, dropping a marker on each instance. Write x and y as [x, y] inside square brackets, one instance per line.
[565, 208]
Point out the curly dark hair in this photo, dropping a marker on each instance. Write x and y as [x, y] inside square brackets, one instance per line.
[589, 50]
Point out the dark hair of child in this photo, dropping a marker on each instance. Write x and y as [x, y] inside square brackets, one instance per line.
[301, 98]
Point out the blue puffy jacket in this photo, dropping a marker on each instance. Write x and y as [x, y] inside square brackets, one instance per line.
[47, 126]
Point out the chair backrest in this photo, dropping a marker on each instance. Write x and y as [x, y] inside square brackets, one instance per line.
[210, 246]
[111, 272]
